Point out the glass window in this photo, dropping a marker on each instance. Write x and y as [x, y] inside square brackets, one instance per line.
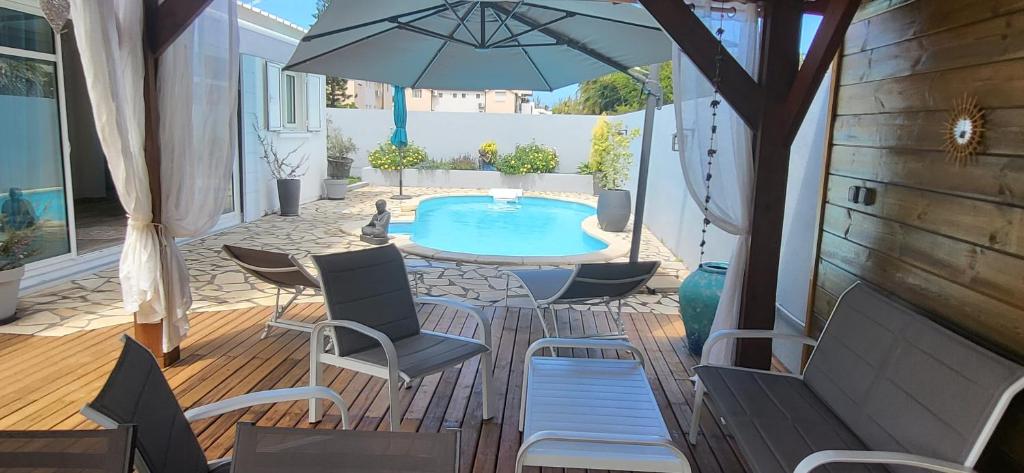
[31, 161]
[417, 93]
[288, 100]
[477, 95]
[463, 95]
[20, 30]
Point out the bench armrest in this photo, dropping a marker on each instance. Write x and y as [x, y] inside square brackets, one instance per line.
[814, 460]
[584, 343]
[269, 397]
[481, 317]
[732, 334]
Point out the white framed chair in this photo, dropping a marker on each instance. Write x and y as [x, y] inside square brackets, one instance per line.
[136, 392]
[373, 327]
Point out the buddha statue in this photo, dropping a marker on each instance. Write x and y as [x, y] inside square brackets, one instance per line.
[376, 232]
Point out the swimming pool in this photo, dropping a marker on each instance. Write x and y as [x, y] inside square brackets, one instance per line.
[533, 226]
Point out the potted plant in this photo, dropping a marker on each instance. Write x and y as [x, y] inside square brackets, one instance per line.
[339, 164]
[15, 247]
[286, 172]
[610, 159]
[488, 155]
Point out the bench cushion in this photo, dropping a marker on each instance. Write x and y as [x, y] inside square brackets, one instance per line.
[777, 420]
[594, 396]
[902, 382]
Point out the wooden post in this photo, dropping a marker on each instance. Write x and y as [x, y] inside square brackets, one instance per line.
[162, 24]
[780, 53]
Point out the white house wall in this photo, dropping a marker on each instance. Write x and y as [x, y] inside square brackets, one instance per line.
[258, 186]
[446, 135]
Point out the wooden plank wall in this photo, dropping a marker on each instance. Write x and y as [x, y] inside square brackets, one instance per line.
[948, 239]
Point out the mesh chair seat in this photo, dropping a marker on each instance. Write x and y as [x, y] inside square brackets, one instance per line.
[544, 284]
[424, 353]
[280, 270]
[68, 451]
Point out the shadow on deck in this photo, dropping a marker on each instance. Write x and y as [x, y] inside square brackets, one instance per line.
[46, 380]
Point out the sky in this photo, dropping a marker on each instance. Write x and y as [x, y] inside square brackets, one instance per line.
[301, 12]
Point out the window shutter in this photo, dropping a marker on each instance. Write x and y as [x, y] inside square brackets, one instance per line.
[314, 102]
[273, 96]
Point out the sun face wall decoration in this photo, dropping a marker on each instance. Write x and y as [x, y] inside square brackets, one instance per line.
[964, 130]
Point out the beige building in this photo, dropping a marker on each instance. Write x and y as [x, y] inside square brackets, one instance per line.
[375, 95]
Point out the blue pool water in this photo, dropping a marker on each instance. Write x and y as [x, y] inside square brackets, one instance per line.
[477, 224]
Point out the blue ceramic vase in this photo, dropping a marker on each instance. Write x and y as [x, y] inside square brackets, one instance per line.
[698, 301]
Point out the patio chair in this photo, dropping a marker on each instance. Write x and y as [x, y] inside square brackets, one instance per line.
[276, 449]
[282, 271]
[136, 392]
[70, 451]
[374, 329]
[591, 283]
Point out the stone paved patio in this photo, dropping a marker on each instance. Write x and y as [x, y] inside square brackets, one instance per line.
[93, 301]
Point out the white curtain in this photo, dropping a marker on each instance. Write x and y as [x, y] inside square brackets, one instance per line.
[732, 168]
[197, 86]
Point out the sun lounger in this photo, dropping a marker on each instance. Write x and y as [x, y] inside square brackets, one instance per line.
[592, 283]
[282, 271]
[592, 413]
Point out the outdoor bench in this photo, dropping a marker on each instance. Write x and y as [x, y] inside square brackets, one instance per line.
[592, 413]
[885, 389]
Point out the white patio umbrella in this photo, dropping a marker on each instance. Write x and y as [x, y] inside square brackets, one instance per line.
[476, 45]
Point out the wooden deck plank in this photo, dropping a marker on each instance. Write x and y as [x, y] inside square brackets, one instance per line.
[224, 356]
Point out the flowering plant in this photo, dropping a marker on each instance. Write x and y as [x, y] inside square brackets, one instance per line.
[528, 158]
[387, 157]
[16, 247]
[488, 152]
[610, 157]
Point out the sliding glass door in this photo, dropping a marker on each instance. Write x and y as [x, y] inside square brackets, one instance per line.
[32, 178]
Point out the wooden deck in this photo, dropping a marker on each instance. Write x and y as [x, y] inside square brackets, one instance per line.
[46, 380]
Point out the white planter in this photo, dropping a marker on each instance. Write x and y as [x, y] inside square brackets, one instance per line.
[10, 281]
[455, 179]
[335, 189]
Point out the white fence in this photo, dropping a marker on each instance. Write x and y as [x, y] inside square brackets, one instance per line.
[446, 135]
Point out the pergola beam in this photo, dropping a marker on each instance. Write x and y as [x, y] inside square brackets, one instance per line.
[827, 41]
[740, 90]
[173, 17]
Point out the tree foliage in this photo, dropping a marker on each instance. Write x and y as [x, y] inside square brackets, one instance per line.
[614, 94]
[335, 87]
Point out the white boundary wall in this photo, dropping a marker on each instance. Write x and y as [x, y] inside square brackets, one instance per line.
[455, 179]
[446, 135]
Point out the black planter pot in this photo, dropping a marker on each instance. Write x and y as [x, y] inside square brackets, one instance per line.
[288, 191]
[613, 209]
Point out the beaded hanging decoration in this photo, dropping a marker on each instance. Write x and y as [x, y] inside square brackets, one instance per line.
[716, 101]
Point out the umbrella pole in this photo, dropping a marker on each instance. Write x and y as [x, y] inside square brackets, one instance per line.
[401, 171]
[653, 87]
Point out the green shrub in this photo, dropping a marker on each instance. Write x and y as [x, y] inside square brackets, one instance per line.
[464, 162]
[610, 157]
[434, 165]
[386, 157]
[528, 158]
[488, 151]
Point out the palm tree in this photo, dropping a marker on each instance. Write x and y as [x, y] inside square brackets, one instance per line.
[25, 77]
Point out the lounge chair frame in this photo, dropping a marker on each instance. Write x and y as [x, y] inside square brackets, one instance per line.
[277, 317]
[542, 306]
